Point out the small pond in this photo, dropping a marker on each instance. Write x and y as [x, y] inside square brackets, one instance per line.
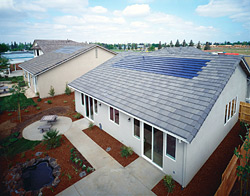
[37, 176]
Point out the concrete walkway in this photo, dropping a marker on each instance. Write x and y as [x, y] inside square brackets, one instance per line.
[110, 178]
[32, 132]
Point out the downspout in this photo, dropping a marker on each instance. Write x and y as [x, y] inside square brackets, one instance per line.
[184, 161]
[35, 81]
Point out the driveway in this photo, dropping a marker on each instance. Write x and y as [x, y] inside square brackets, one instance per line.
[110, 178]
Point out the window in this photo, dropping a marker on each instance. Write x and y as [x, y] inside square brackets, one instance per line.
[230, 110]
[114, 115]
[82, 98]
[171, 145]
[137, 128]
[96, 107]
[37, 52]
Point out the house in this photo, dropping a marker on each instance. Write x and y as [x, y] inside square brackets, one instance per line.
[60, 64]
[173, 106]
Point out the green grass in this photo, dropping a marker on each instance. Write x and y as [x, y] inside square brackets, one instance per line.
[8, 104]
[21, 145]
[242, 51]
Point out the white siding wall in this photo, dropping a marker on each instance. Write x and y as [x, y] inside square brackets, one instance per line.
[213, 129]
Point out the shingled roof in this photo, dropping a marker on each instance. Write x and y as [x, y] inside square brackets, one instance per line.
[45, 62]
[176, 104]
[50, 45]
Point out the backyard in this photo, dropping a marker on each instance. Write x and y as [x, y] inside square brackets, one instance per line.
[205, 182]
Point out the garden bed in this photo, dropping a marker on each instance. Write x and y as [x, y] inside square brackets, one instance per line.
[69, 170]
[208, 178]
[105, 140]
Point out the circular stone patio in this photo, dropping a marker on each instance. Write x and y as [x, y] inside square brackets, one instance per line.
[32, 132]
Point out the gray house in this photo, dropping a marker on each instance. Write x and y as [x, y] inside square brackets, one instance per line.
[59, 62]
[173, 107]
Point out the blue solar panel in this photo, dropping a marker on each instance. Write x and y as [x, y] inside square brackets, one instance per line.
[178, 67]
[68, 49]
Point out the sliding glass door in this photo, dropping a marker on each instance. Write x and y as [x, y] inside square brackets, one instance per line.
[153, 144]
[89, 107]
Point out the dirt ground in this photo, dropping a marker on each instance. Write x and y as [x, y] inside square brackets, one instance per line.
[208, 178]
[104, 140]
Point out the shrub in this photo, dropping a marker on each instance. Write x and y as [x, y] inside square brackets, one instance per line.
[26, 111]
[35, 104]
[38, 108]
[49, 102]
[9, 114]
[52, 139]
[39, 100]
[77, 116]
[21, 83]
[38, 94]
[67, 90]
[169, 183]
[126, 151]
[91, 125]
[65, 101]
[52, 91]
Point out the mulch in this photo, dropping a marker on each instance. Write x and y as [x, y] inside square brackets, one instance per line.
[105, 140]
[208, 179]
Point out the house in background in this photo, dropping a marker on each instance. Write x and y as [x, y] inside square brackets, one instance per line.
[61, 64]
[173, 107]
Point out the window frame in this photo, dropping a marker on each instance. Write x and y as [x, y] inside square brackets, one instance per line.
[113, 119]
[166, 148]
[95, 106]
[230, 110]
[83, 97]
[137, 137]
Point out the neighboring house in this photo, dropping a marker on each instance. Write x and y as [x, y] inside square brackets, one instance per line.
[173, 109]
[60, 66]
[44, 46]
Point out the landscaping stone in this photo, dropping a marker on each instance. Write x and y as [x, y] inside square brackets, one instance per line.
[108, 149]
[38, 153]
[82, 174]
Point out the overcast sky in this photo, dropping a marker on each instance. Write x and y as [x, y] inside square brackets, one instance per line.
[125, 21]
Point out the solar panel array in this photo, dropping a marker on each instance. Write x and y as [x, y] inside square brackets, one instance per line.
[68, 49]
[178, 67]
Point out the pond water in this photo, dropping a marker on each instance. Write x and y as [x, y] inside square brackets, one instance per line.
[37, 176]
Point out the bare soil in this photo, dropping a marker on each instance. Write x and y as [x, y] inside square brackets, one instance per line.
[105, 140]
[208, 179]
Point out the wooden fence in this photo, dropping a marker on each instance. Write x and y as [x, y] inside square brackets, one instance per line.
[244, 112]
[230, 174]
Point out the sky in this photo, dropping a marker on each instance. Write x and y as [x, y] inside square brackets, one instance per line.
[125, 21]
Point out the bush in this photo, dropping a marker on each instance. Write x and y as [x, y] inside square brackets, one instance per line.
[37, 94]
[39, 100]
[52, 139]
[65, 101]
[38, 108]
[49, 102]
[126, 151]
[35, 104]
[67, 90]
[77, 116]
[26, 111]
[9, 114]
[169, 183]
[52, 91]
[21, 83]
[91, 125]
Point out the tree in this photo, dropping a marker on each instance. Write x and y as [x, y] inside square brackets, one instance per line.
[177, 44]
[4, 47]
[184, 44]
[159, 47]
[207, 46]
[151, 48]
[4, 63]
[136, 46]
[16, 91]
[199, 45]
[171, 44]
[191, 43]
[52, 91]
[119, 46]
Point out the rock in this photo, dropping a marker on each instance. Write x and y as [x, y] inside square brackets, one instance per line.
[56, 181]
[82, 174]
[38, 153]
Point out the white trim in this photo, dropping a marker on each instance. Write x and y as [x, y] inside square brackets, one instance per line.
[131, 115]
[34, 83]
[229, 112]
[243, 60]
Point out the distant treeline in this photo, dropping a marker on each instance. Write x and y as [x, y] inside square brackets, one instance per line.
[15, 46]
